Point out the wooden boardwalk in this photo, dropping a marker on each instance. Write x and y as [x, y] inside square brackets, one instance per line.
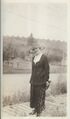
[55, 106]
[22, 109]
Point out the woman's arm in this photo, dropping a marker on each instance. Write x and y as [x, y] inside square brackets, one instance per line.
[46, 67]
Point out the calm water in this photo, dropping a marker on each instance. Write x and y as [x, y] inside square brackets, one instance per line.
[13, 83]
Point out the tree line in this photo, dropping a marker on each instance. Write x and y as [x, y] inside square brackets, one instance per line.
[12, 50]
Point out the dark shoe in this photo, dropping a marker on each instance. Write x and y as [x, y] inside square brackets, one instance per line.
[38, 114]
[33, 112]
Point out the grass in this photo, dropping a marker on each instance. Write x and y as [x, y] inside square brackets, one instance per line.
[59, 88]
[56, 88]
[20, 97]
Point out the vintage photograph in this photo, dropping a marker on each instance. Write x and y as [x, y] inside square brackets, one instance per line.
[34, 59]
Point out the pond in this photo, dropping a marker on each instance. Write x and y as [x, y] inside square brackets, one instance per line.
[13, 83]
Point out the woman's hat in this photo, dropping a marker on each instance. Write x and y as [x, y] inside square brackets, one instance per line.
[35, 48]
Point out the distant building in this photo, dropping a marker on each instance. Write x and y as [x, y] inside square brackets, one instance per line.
[17, 63]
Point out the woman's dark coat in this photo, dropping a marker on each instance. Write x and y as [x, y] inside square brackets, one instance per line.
[40, 71]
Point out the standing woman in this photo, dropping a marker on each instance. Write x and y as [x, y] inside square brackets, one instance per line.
[38, 81]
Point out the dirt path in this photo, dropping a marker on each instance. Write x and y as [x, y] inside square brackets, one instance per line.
[55, 106]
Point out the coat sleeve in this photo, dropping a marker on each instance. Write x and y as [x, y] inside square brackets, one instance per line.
[46, 68]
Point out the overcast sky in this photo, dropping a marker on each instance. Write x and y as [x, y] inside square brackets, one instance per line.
[43, 20]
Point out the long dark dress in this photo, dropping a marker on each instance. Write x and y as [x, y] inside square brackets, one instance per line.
[37, 99]
[39, 77]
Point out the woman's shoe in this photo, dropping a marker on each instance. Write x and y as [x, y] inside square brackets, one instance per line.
[33, 112]
[38, 114]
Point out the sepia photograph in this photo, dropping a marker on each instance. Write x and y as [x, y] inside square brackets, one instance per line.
[34, 59]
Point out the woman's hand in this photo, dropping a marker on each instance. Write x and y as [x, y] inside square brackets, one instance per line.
[48, 84]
